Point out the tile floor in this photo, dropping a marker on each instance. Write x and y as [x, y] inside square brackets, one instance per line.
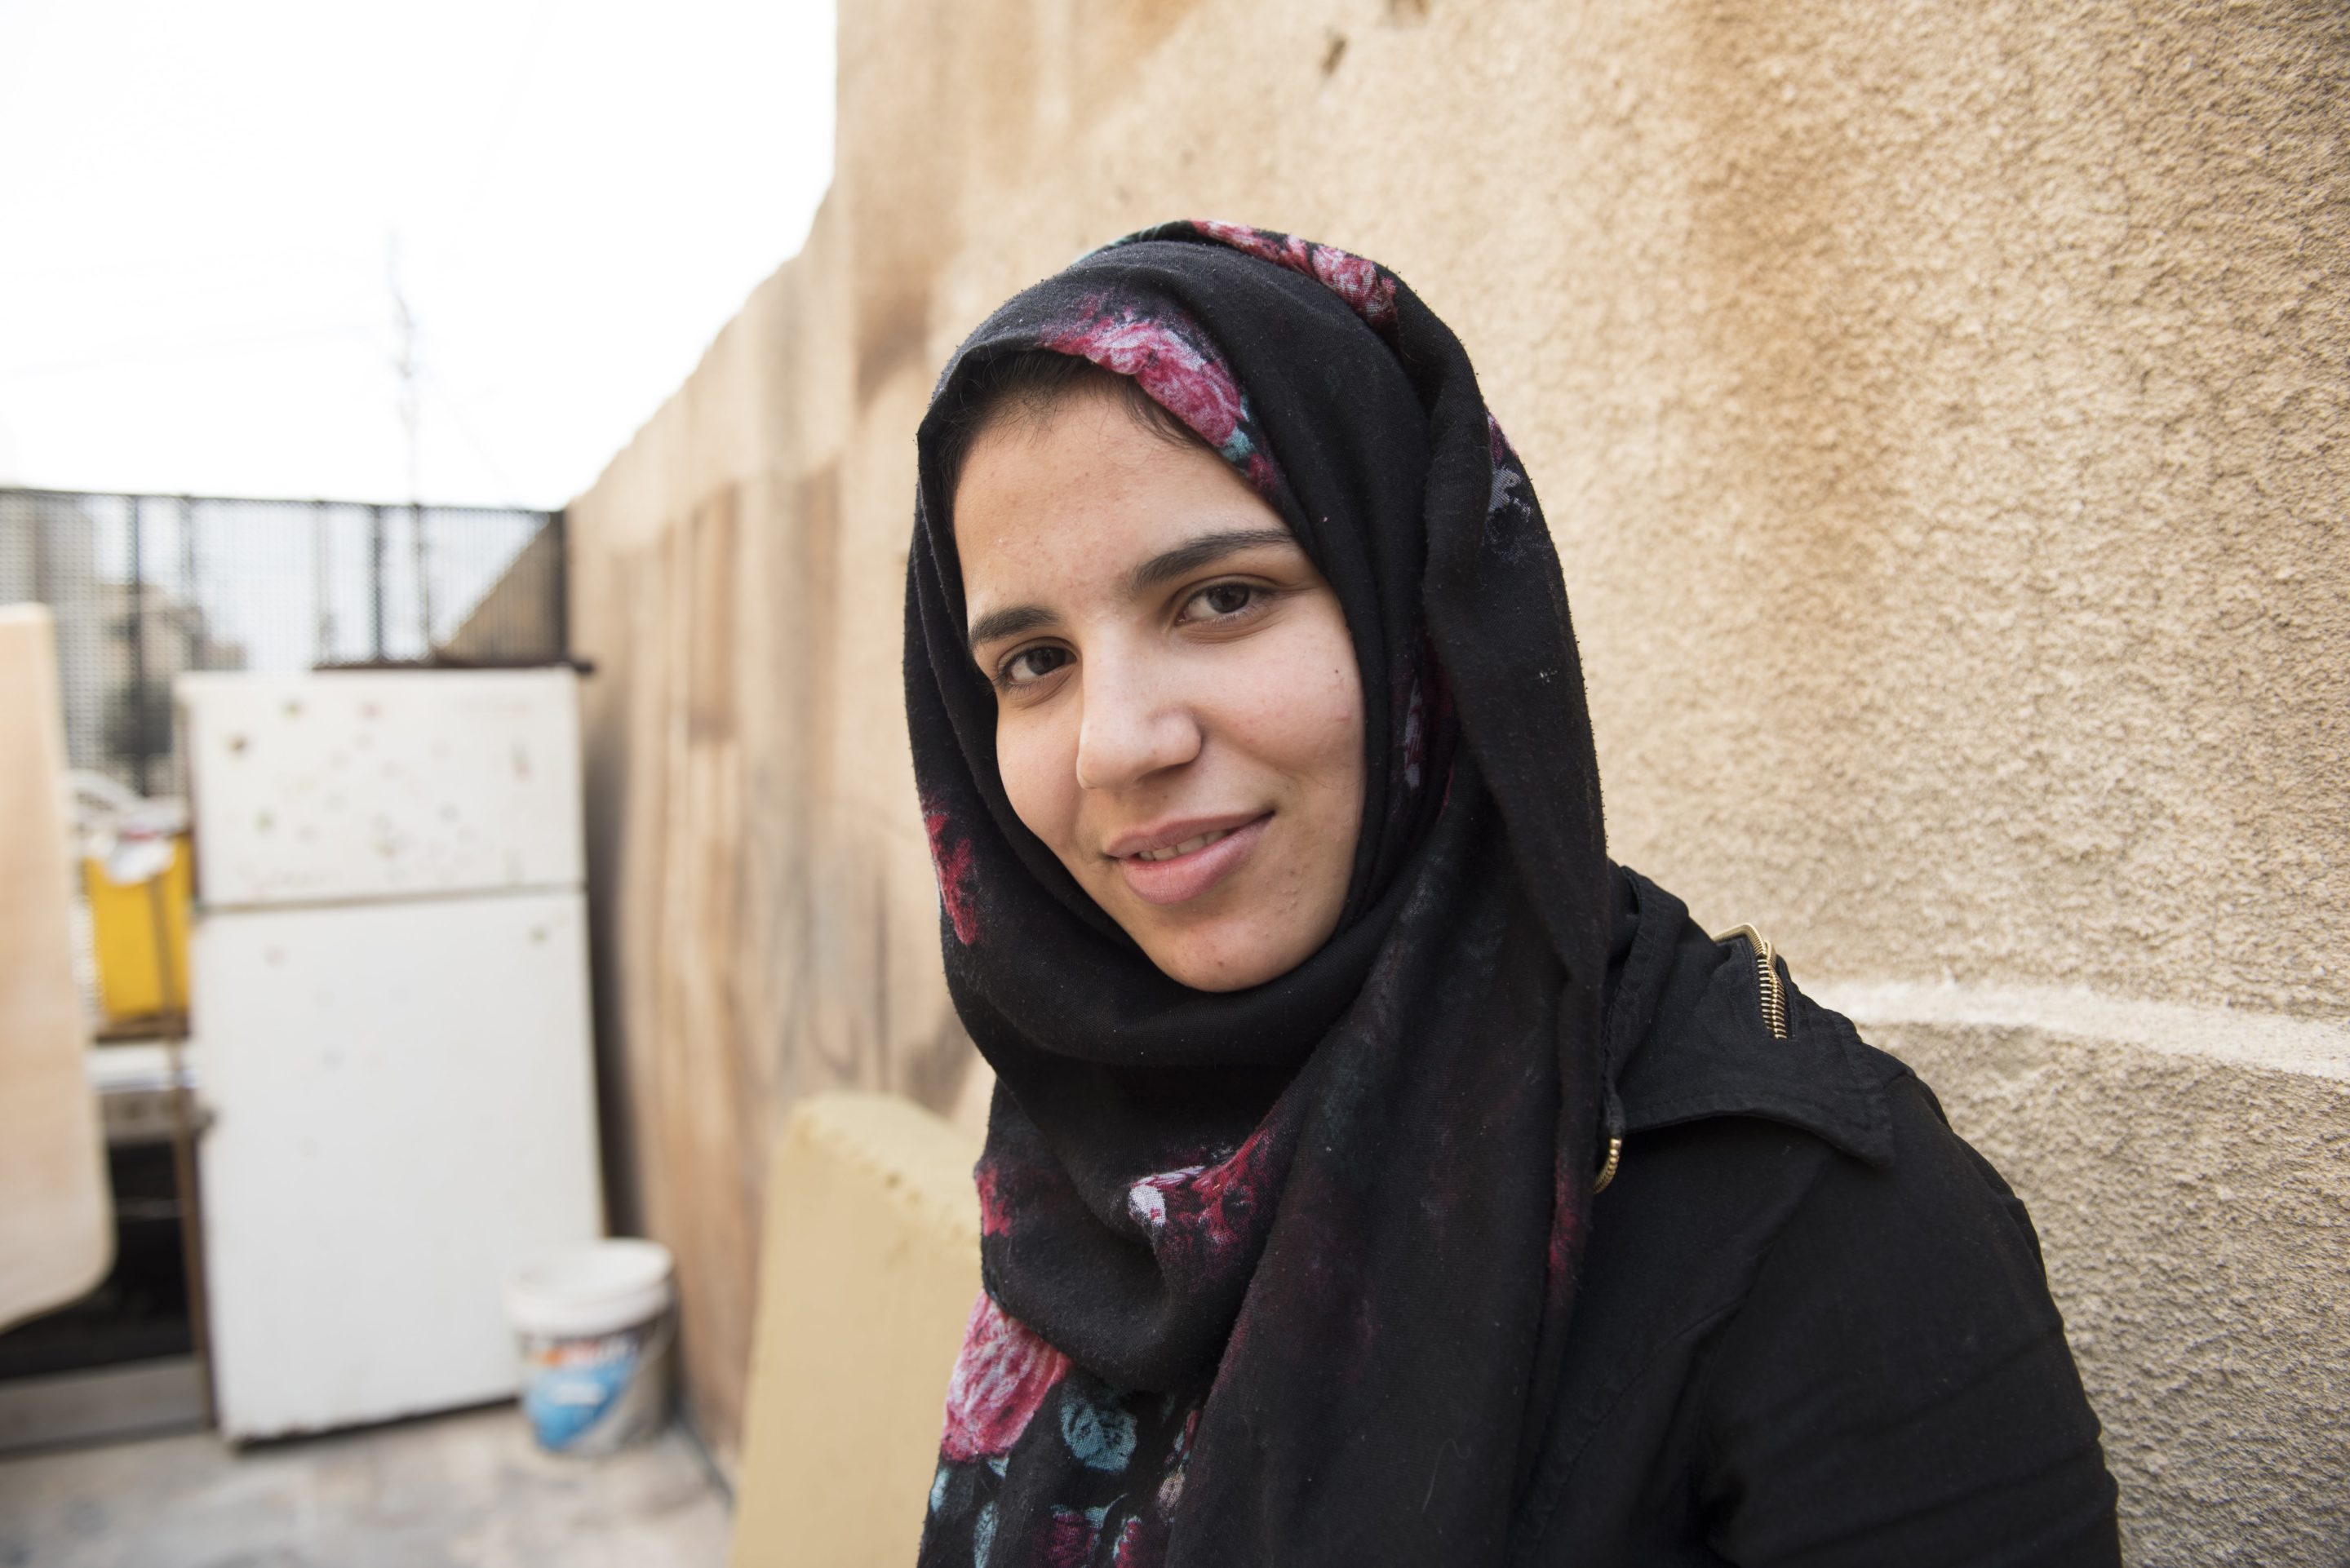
[467, 1490]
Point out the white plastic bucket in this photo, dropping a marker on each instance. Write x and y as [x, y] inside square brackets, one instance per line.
[596, 1327]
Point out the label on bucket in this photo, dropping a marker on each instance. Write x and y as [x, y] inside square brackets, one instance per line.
[593, 1394]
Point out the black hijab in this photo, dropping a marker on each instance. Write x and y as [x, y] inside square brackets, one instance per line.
[1280, 1276]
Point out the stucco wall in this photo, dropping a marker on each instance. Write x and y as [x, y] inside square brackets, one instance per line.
[2190, 1206]
[1941, 412]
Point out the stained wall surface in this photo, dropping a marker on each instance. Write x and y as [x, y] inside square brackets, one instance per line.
[1940, 411]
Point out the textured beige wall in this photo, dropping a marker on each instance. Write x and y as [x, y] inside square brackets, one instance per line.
[2191, 1209]
[762, 906]
[1941, 411]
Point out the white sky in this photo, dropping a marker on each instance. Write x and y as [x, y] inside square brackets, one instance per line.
[199, 200]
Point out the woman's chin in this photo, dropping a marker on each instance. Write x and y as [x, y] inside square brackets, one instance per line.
[1231, 955]
[1217, 973]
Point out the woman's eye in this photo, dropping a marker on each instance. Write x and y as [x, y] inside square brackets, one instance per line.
[1031, 665]
[1225, 598]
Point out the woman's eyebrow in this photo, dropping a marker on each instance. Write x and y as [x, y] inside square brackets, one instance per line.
[1165, 567]
[1010, 622]
[1200, 552]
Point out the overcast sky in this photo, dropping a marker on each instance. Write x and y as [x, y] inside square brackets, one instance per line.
[200, 201]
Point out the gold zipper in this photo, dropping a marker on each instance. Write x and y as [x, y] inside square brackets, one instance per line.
[1608, 1172]
[1766, 978]
[1774, 1014]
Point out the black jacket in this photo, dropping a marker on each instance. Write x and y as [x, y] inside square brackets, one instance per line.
[1814, 1327]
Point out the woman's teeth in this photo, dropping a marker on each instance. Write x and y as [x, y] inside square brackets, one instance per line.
[1187, 847]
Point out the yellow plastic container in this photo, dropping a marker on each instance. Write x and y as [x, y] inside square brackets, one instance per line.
[131, 983]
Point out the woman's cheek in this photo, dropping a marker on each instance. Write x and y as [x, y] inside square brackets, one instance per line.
[1325, 721]
[1303, 721]
[1039, 770]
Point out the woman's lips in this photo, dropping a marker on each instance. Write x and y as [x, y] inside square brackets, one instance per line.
[1181, 878]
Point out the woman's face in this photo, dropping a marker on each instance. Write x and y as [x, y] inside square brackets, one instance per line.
[1179, 716]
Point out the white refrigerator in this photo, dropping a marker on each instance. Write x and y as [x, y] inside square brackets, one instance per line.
[389, 992]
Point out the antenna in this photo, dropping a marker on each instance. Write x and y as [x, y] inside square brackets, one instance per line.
[322, 587]
[411, 420]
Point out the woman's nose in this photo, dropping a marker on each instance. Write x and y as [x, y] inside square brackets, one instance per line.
[1134, 725]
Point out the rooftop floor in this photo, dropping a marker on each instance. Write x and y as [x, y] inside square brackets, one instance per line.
[466, 1491]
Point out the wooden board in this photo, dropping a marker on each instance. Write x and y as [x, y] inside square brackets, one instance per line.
[867, 1276]
[57, 1234]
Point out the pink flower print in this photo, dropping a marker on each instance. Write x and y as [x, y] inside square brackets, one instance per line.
[1070, 1539]
[1281, 250]
[951, 858]
[1558, 1279]
[992, 1219]
[1000, 1379]
[1147, 1198]
[1197, 1213]
[1126, 1554]
[1180, 377]
[1359, 282]
[1368, 290]
[1496, 444]
[1415, 735]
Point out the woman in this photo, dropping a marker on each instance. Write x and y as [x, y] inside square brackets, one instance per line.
[1376, 1173]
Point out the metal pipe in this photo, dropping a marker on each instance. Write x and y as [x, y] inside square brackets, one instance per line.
[560, 522]
[423, 578]
[194, 633]
[138, 627]
[184, 1175]
[322, 599]
[376, 547]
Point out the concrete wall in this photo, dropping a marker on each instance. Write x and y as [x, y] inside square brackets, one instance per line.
[764, 910]
[518, 618]
[1941, 412]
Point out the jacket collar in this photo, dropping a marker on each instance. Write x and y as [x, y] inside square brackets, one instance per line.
[1686, 1040]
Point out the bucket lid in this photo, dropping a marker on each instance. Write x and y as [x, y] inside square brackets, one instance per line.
[600, 1287]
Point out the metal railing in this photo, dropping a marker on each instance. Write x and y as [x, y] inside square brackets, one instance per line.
[144, 588]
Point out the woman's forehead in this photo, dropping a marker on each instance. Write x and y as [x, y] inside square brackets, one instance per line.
[1083, 489]
[1093, 511]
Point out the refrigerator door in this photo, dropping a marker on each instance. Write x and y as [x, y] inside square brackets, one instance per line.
[404, 1112]
[368, 784]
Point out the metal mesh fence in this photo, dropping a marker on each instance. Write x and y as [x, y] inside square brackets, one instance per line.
[145, 587]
